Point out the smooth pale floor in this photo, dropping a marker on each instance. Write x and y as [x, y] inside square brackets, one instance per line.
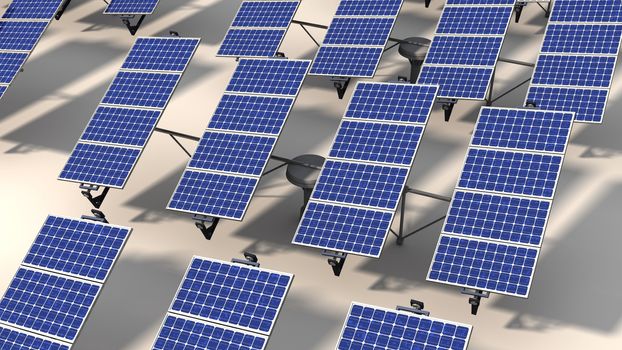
[574, 302]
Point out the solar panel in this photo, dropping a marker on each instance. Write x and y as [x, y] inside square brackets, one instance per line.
[523, 129]
[495, 217]
[77, 247]
[268, 76]
[32, 9]
[359, 31]
[251, 42]
[256, 114]
[474, 20]
[346, 61]
[233, 153]
[373, 327]
[131, 7]
[2, 90]
[10, 65]
[269, 14]
[141, 89]
[587, 11]
[161, 54]
[480, 2]
[99, 164]
[465, 50]
[235, 295]
[595, 39]
[369, 8]
[122, 126]
[469, 83]
[588, 104]
[184, 333]
[12, 339]
[565, 70]
[20, 35]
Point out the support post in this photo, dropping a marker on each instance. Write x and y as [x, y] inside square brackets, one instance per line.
[97, 200]
[250, 259]
[133, 28]
[518, 9]
[341, 84]
[336, 260]
[400, 235]
[447, 104]
[201, 220]
[61, 9]
[427, 3]
[475, 298]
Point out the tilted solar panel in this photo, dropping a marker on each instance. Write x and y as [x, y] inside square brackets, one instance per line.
[587, 11]
[122, 126]
[256, 114]
[579, 71]
[251, 42]
[594, 39]
[268, 14]
[131, 7]
[20, 35]
[369, 8]
[268, 77]
[161, 54]
[587, 103]
[141, 89]
[359, 31]
[465, 50]
[32, 9]
[346, 61]
[474, 20]
[13, 339]
[480, 2]
[468, 83]
[10, 64]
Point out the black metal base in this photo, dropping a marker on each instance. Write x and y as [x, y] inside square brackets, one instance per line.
[98, 216]
[97, 200]
[207, 231]
[341, 84]
[416, 307]
[133, 28]
[336, 260]
[62, 9]
[250, 259]
[475, 298]
[448, 107]
[427, 3]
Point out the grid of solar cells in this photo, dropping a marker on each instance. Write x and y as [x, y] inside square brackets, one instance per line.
[523, 129]
[346, 61]
[188, 334]
[161, 54]
[32, 9]
[268, 76]
[251, 42]
[587, 11]
[76, 247]
[131, 7]
[480, 2]
[10, 65]
[256, 114]
[368, 8]
[458, 82]
[474, 20]
[484, 265]
[465, 50]
[232, 294]
[20, 35]
[2, 90]
[266, 14]
[373, 327]
[588, 104]
[11, 339]
[99, 164]
[564, 70]
[47, 303]
[595, 39]
[359, 31]
[141, 89]
[122, 126]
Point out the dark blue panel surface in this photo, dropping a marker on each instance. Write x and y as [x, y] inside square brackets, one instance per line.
[32, 9]
[595, 39]
[123, 126]
[564, 70]
[10, 65]
[257, 114]
[346, 61]
[11, 339]
[252, 42]
[458, 82]
[141, 89]
[587, 11]
[267, 14]
[369, 8]
[20, 36]
[464, 50]
[588, 104]
[269, 76]
[161, 54]
[481, 2]
[128, 7]
[359, 31]
[474, 20]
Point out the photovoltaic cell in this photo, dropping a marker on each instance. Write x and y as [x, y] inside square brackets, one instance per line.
[587, 11]
[233, 153]
[32, 9]
[257, 114]
[47, 303]
[346, 61]
[123, 126]
[373, 327]
[465, 50]
[369, 8]
[251, 42]
[458, 82]
[188, 334]
[481, 2]
[77, 247]
[511, 172]
[502, 218]
[588, 104]
[11, 339]
[232, 294]
[128, 7]
[268, 14]
[483, 265]
[566, 70]
[474, 20]
[141, 89]
[20, 35]
[269, 76]
[359, 31]
[594, 39]
[10, 65]
[523, 129]
[161, 54]
[99, 164]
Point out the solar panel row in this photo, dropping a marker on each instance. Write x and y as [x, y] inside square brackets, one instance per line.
[113, 140]
[464, 52]
[499, 210]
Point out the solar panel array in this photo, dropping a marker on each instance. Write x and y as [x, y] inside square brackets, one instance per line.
[464, 52]
[22, 25]
[224, 171]
[131, 7]
[56, 286]
[576, 64]
[222, 305]
[258, 28]
[373, 327]
[115, 136]
[497, 217]
[355, 197]
[356, 38]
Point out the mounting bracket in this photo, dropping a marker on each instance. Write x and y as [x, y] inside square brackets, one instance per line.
[341, 84]
[98, 216]
[133, 28]
[447, 104]
[427, 3]
[207, 231]
[475, 299]
[518, 9]
[416, 307]
[61, 9]
[97, 200]
[250, 259]
[336, 260]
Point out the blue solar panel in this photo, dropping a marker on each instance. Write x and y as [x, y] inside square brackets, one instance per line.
[369, 8]
[11, 339]
[161, 54]
[346, 61]
[141, 89]
[488, 266]
[377, 142]
[269, 76]
[232, 294]
[10, 65]
[233, 153]
[187, 334]
[372, 327]
[501, 218]
[474, 20]
[251, 42]
[2, 90]
[33, 9]
[127, 7]
[511, 172]
[587, 11]
[464, 50]
[359, 31]
[123, 126]
[523, 129]
[347, 229]
[588, 104]
[458, 82]
[603, 39]
[480, 2]
[20, 36]
[587, 71]
[77, 247]
[257, 114]
[392, 102]
[47, 303]
[213, 194]
[98, 164]
[360, 184]
[268, 14]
